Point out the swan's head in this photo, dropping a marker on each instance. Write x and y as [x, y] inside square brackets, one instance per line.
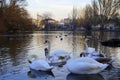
[46, 42]
[46, 52]
[82, 54]
[86, 39]
[32, 57]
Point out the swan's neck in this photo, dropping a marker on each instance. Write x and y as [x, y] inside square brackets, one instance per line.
[86, 45]
[47, 51]
[49, 45]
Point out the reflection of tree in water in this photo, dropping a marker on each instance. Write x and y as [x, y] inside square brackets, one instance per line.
[88, 33]
[15, 42]
[85, 77]
[13, 50]
[46, 35]
[74, 43]
[47, 38]
[16, 45]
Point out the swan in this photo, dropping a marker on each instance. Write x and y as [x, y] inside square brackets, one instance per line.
[56, 56]
[40, 65]
[85, 65]
[91, 53]
[90, 50]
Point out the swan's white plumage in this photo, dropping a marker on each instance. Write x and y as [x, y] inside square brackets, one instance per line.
[40, 65]
[55, 56]
[94, 55]
[90, 50]
[59, 52]
[85, 65]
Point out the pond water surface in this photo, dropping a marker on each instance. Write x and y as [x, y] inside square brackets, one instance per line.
[15, 49]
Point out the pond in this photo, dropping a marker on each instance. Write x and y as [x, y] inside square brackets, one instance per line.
[15, 49]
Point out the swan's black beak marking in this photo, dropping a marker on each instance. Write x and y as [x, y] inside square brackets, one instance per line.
[29, 61]
[45, 42]
[50, 73]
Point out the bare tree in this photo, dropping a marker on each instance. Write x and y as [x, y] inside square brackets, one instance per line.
[74, 13]
[46, 18]
[74, 16]
[47, 15]
[106, 9]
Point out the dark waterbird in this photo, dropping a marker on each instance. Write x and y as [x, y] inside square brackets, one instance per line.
[111, 43]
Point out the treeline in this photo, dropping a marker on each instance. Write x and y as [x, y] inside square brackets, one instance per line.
[99, 12]
[13, 17]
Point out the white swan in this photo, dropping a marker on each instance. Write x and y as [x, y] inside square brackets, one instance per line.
[89, 51]
[85, 65]
[100, 57]
[57, 55]
[40, 66]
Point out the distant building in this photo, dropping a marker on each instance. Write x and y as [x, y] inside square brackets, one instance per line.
[49, 23]
[67, 21]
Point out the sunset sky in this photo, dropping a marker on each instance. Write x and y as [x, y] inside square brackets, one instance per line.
[58, 8]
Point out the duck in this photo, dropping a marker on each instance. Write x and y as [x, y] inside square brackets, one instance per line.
[56, 56]
[85, 65]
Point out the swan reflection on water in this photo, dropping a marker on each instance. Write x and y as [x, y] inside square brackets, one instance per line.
[38, 73]
[84, 77]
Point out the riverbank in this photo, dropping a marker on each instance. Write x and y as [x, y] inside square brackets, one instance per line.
[30, 32]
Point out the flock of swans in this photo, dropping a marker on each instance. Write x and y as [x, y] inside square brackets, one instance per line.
[89, 62]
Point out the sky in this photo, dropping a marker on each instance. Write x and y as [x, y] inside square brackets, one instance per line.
[59, 9]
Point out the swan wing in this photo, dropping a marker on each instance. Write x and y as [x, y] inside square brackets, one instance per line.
[59, 53]
[40, 65]
[56, 55]
[85, 66]
[86, 60]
